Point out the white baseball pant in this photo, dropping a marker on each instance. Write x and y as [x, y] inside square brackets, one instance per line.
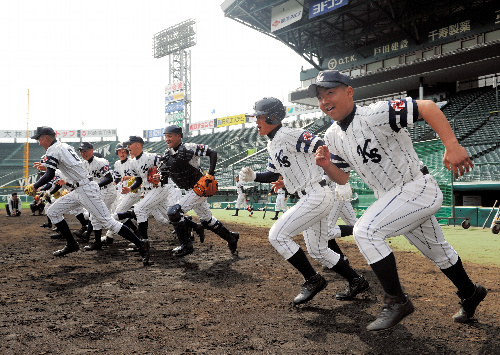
[310, 216]
[89, 197]
[407, 210]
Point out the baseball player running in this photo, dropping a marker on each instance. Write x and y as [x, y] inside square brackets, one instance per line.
[374, 141]
[155, 193]
[181, 164]
[242, 198]
[123, 171]
[291, 154]
[99, 170]
[86, 193]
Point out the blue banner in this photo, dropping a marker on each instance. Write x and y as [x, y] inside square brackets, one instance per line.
[320, 7]
[176, 106]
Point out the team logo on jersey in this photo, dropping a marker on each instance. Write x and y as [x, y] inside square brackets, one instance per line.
[306, 136]
[201, 146]
[282, 159]
[398, 105]
[367, 153]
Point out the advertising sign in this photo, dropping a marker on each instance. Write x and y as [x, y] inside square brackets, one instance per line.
[15, 133]
[87, 133]
[174, 117]
[175, 106]
[320, 7]
[153, 133]
[294, 110]
[174, 87]
[231, 120]
[285, 14]
[208, 124]
[174, 97]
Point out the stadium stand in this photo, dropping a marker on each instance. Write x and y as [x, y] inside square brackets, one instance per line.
[469, 112]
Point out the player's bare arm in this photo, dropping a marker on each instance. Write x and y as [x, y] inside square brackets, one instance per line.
[455, 156]
[322, 157]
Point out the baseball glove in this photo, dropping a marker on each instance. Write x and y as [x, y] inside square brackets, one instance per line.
[207, 186]
[130, 182]
[151, 172]
[29, 190]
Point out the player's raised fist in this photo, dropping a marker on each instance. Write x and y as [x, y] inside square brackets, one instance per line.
[322, 156]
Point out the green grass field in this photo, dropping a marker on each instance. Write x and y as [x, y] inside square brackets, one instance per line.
[475, 244]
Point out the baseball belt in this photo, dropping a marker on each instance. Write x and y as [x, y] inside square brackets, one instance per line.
[322, 183]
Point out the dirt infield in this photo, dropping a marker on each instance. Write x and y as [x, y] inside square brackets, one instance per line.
[213, 303]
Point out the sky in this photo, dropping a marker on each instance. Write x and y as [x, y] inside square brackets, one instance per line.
[89, 64]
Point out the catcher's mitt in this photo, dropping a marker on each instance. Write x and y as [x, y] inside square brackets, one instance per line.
[30, 190]
[207, 186]
[152, 171]
[130, 182]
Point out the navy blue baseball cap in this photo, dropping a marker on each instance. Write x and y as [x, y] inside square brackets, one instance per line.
[44, 130]
[328, 79]
[133, 139]
[85, 146]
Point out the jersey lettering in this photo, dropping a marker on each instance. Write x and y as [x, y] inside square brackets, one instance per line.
[372, 153]
[282, 159]
[72, 152]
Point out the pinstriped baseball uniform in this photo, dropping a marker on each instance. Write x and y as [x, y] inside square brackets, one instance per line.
[125, 201]
[240, 201]
[97, 169]
[60, 176]
[342, 209]
[280, 201]
[291, 154]
[62, 156]
[155, 196]
[373, 140]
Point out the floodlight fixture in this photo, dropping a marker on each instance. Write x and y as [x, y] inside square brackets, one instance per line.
[174, 39]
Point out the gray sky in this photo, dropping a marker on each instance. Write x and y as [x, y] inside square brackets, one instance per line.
[91, 61]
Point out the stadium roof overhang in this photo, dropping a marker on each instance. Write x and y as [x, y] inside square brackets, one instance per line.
[459, 65]
[357, 26]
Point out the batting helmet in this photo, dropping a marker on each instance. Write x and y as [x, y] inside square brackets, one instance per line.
[120, 146]
[273, 109]
[173, 129]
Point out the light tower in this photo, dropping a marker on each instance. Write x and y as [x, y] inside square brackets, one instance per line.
[174, 42]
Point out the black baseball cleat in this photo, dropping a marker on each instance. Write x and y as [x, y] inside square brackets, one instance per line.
[310, 288]
[392, 313]
[201, 232]
[68, 248]
[46, 225]
[468, 305]
[183, 250]
[144, 251]
[107, 240]
[93, 246]
[82, 234]
[233, 246]
[353, 288]
[274, 218]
